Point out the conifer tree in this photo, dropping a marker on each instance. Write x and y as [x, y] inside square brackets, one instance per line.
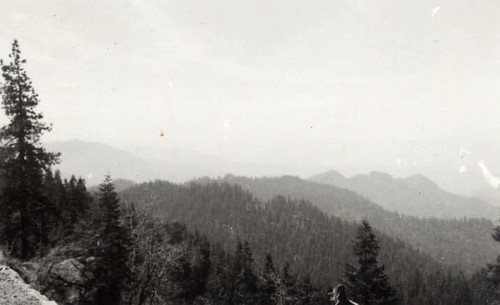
[367, 282]
[245, 280]
[305, 289]
[219, 287]
[23, 204]
[111, 247]
[269, 269]
[75, 205]
[271, 290]
[289, 284]
[200, 265]
[52, 217]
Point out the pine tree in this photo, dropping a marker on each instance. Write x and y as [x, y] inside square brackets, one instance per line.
[111, 247]
[305, 289]
[60, 196]
[219, 285]
[245, 280]
[270, 290]
[200, 265]
[367, 282]
[289, 284]
[68, 211]
[24, 207]
[76, 204]
[53, 217]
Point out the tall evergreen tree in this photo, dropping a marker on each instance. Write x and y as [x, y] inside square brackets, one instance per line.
[23, 205]
[53, 217]
[245, 280]
[219, 285]
[111, 247]
[367, 282]
[75, 206]
[305, 290]
[289, 284]
[200, 265]
[271, 289]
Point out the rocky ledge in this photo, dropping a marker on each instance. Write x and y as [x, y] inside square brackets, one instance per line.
[14, 291]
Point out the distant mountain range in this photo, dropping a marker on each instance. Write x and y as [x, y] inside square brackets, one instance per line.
[466, 243]
[416, 195]
[473, 179]
[92, 161]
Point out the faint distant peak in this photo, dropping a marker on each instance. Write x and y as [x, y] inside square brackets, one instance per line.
[329, 177]
[382, 175]
[77, 144]
[332, 173]
[421, 180]
[372, 177]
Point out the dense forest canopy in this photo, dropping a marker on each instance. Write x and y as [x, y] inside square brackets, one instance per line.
[295, 231]
[463, 242]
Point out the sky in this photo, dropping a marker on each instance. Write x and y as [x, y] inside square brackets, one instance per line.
[399, 86]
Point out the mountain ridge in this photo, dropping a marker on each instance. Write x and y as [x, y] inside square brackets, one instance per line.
[291, 230]
[416, 195]
[462, 242]
[93, 160]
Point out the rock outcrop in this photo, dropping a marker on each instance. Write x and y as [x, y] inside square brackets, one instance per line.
[14, 291]
[65, 281]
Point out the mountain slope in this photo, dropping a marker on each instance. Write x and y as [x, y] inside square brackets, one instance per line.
[416, 195]
[92, 161]
[466, 243]
[293, 231]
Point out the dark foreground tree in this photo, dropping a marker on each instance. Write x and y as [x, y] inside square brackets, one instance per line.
[111, 248]
[367, 282]
[23, 206]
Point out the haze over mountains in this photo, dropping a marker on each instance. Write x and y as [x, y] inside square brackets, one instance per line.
[416, 195]
[371, 196]
[92, 160]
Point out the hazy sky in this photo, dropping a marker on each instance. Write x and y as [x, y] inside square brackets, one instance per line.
[320, 84]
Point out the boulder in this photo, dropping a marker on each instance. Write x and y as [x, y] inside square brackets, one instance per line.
[69, 271]
[14, 291]
[66, 281]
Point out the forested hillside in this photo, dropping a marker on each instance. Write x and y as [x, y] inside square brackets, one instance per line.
[463, 242]
[295, 231]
